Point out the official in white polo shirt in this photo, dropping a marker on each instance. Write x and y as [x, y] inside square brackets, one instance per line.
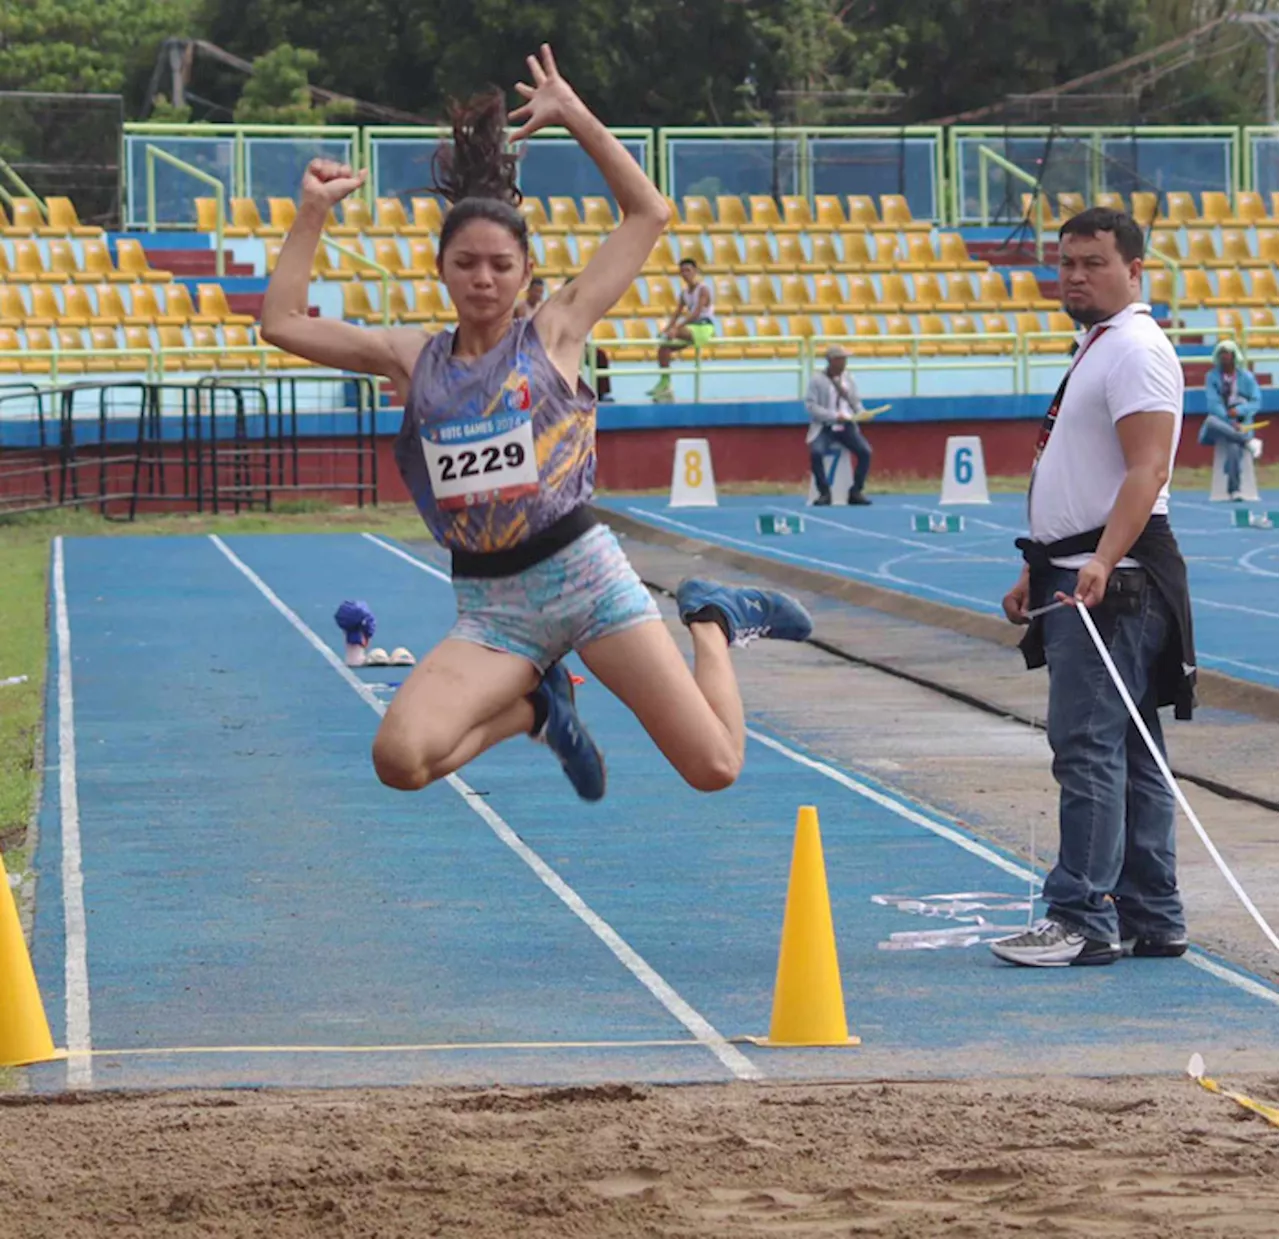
[1098, 509]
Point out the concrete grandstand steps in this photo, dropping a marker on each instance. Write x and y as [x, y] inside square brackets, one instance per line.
[1016, 254]
[246, 303]
[190, 264]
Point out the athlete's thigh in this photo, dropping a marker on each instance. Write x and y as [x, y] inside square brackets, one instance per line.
[458, 686]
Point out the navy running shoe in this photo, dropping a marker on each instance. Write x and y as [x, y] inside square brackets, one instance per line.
[564, 734]
[745, 614]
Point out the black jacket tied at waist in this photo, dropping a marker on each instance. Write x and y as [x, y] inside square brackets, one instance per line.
[1156, 550]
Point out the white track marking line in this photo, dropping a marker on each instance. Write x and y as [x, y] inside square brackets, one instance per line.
[430, 569]
[733, 1059]
[79, 1038]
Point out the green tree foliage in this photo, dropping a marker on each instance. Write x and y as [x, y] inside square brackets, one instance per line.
[85, 45]
[278, 92]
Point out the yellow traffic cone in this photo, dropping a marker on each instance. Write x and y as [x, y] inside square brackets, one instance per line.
[24, 1031]
[808, 1001]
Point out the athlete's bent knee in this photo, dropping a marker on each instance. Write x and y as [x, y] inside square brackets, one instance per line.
[713, 772]
[398, 767]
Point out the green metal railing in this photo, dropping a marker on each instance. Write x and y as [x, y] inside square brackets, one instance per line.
[383, 272]
[987, 156]
[219, 193]
[24, 190]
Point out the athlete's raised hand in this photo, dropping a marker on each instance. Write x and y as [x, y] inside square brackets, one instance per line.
[551, 100]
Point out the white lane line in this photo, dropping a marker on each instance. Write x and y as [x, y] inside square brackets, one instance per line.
[841, 568]
[702, 1030]
[1247, 984]
[1245, 562]
[79, 1039]
[1231, 606]
[430, 569]
[1234, 662]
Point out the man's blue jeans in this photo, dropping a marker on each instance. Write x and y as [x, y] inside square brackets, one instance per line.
[1219, 430]
[849, 436]
[1116, 871]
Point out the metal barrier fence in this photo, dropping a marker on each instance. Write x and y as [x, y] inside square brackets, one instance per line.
[210, 444]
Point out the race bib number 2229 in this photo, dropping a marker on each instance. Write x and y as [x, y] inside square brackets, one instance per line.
[488, 460]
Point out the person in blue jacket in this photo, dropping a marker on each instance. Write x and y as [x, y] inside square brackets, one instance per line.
[1233, 399]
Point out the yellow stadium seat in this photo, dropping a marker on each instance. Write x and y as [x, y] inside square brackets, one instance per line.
[1069, 204]
[427, 214]
[137, 337]
[422, 259]
[629, 304]
[761, 296]
[962, 333]
[214, 308]
[5, 226]
[823, 256]
[827, 294]
[1230, 291]
[1179, 209]
[895, 325]
[724, 252]
[386, 253]
[1230, 324]
[69, 341]
[144, 309]
[347, 260]
[758, 348]
[636, 332]
[28, 265]
[1250, 208]
[1201, 249]
[695, 248]
[698, 216]
[802, 325]
[64, 221]
[863, 294]
[1024, 291]
[927, 293]
[563, 216]
[97, 263]
[894, 293]
[857, 254]
[832, 326]
[888, 251]
[203, 336]
[769, 326]
[862, 212]
[1057, 322]
[676, 222]
[597, 215]
[604, 332]
[1046, 218]
[535, 214]
[1235, 249]
[1269, 248]
[428, 304]
[793, 293]
[895, 213]
[728, 296]
[1111, 201]
[730, 213]
[757, 256]
[556, 259]
[790, 255]
[995, 325]
[356, 303]
[355, 218]
[171, 337]
[866, 336]
[1166, 243]
[207, 215]
[1215, 208]
[1196, 289]
[796, 216]
[77, 310]
[236, 337]
[830, 212]
[920, 255]
[134, 264]
[4, 261]
[1143, 207]
[661, 260]
[992, 293]
[110, 305]
[959, 292]
[281, 212]
[954, 254]
[46, 306]
[588, 248]
[177, 305]
[1159, 285]
[390, 217]
[731, 332]
[38, 340]
[27, 217]
[102, 340]
[13, 307]
[1261, 331]
[62, 260]
[245, 220]
[764, 215]
[1264, 291]
[660, 296]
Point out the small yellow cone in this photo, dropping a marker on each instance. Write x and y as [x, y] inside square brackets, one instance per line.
[24, 1031]
[808, 1001]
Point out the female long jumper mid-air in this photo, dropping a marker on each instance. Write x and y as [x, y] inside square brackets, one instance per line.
[498, 451]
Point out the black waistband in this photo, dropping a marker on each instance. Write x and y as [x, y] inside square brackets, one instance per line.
[569, 528]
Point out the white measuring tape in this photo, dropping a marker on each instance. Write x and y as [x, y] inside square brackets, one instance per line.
[1168, 774]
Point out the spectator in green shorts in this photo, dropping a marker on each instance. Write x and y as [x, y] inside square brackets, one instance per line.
[692, 323]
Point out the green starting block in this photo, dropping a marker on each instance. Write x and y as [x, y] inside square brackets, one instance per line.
[771, 524]
[1242, 518]
[936, 522]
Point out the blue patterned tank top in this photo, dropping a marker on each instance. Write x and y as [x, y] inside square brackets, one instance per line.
[496, 449]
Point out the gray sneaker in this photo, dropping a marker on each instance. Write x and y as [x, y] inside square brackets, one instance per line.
[1051, 944]
[1153, 948]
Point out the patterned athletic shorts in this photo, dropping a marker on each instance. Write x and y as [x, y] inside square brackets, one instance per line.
[584, 592]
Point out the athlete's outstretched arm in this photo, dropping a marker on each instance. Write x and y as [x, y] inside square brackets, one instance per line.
[327, 341]
[568, 317]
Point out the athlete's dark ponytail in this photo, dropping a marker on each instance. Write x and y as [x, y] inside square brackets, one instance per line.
[476, 173]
